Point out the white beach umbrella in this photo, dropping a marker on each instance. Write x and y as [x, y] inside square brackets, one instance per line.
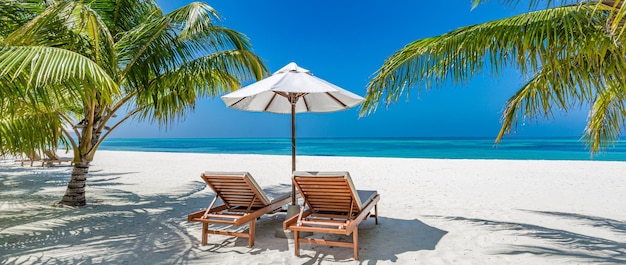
[291, 90]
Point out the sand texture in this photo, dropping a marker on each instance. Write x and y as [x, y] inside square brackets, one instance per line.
[432, 211]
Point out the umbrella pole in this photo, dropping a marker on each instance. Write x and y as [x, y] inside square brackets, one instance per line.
[293, 209]
[293, 150]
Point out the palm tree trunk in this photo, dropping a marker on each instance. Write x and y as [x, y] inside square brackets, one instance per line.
[75, 192]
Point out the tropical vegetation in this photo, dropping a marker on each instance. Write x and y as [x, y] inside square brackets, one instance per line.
[572, 54]
[69, 68]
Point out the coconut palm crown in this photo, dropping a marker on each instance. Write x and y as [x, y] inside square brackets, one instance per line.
[69, 68]
[572, 55]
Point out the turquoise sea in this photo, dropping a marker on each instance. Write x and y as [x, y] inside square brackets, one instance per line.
[452, 148]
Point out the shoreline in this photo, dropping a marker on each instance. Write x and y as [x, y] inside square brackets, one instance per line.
[433, 211]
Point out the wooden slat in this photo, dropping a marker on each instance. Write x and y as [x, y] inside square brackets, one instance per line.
[326, 230]
[325, 219]
[237, 193]
[318, 199]
[230, 187]
[228, 184]
[317, 187]
[323, 223]
[224, 215]
[342, 208]
[327, 216]
[238, 189]
[336, 208]
[326, 185]
[319, 180]
[226, 180]
[331, 209]
[223, 178]
[326, 242]
[330, 197]
[228, 233]
[322, 192]
[331, 200]
[326, 194]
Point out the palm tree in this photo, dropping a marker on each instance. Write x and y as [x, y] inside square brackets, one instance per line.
[67, 68]
[572, 55]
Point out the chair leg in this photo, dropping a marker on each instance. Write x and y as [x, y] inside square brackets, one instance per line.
[205, 233]
[251, 234]
[296, 242]
[376, 212]
[355, 243]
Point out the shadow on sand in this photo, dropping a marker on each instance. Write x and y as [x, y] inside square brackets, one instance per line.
[123, 230]
[374, 246]
[592, 249]
[122, 227]
[406, 235]
[377, 243]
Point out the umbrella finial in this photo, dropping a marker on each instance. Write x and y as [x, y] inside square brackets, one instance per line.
[292, 67]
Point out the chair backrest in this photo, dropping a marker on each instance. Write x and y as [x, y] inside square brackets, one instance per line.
[328, 191]
[51, 154]
[236, 188]
[33, 155]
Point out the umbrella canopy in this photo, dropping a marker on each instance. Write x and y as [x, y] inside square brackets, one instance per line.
[291, 90]
[292, 84]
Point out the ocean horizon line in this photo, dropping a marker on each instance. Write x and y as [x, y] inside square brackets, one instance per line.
[381, 137]
[561, 148]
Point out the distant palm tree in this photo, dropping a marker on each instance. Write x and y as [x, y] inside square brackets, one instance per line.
[67, 68]
[573, 55]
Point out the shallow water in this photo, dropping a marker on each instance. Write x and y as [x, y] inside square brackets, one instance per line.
[453, 148]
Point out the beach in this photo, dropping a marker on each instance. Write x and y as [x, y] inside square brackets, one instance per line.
[432, 211]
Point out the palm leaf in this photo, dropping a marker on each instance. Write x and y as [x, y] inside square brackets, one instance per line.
[29, 130]
[71, 26]
[606, 118]
[38, 68]
[174, 93]
[526, 41]
[13, 14]
[124, 15]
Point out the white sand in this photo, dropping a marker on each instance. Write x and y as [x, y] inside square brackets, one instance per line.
[433, 211]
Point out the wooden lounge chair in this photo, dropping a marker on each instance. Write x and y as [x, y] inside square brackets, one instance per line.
[333, 206]
[31, 157]
[243, 201]
[52, 157]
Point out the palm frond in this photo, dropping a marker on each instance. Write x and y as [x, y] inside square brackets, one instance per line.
[193, 18]
[606, 118]
[38, 68]
[71, 26]
[147, 50]
[89, 25]
[181, 36]
[526, 41]
[174, 93]
[124, 15]
[572, 82]
[617, 14]
[532, 4]
[14, 14]
[197, 23]
[29, 130]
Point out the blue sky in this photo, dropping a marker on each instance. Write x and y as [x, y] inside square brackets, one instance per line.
[345, 43]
